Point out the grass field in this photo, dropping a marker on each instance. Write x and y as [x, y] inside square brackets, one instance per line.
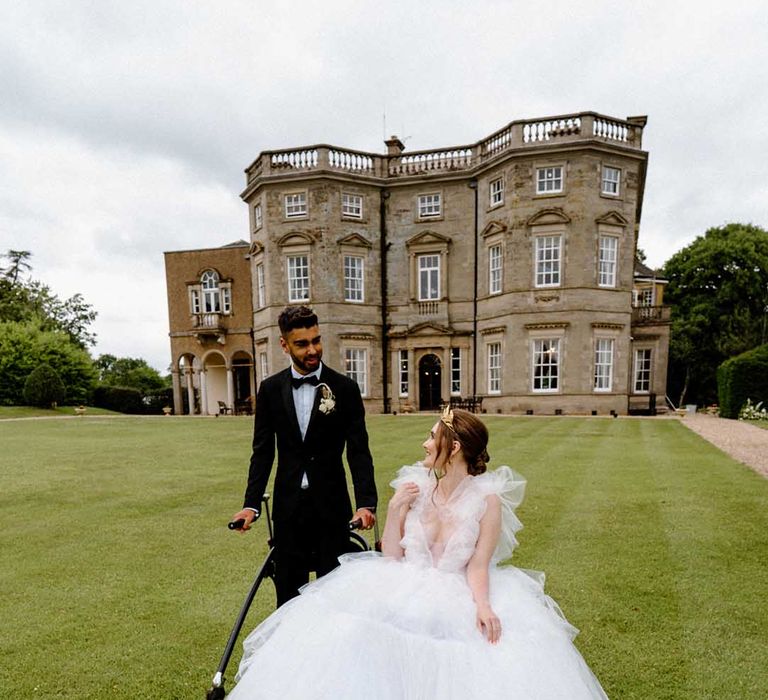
[120, 580]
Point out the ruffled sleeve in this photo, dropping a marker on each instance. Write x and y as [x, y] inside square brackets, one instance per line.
[509, 486]
[417, 473]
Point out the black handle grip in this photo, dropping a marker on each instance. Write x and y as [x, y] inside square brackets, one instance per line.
[236, 524]
[356, 524]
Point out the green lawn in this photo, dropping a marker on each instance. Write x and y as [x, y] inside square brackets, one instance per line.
[32, 412]
[120, 580]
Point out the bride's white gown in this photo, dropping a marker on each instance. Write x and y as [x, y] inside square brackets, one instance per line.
[382, 629]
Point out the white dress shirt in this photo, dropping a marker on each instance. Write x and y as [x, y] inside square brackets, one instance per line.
[303, 401]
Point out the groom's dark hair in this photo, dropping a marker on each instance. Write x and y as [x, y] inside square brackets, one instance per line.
[296, 317]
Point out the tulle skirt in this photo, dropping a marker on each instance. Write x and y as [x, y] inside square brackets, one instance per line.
[380, 629]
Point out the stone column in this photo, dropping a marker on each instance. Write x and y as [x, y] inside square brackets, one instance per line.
[203, 394]
[190, 390]
[231, 388]
[178, 404]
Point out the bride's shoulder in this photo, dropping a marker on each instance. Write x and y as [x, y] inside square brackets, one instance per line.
[503, 482]
[417, 473]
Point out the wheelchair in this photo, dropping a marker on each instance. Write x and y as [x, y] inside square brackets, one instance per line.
[357, 543]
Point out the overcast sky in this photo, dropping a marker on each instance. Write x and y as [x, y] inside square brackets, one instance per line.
[125, 126]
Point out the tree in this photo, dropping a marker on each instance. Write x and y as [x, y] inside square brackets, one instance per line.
[19, 262]
[718, 290]
[130, 372]
[31, 300]
[24, 346]
[43, 387]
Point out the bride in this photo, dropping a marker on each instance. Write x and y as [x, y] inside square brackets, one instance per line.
[435, 616]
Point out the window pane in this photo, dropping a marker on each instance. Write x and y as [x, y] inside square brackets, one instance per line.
[494, 269]
[603, 364]
[611, 180]
[642, 371]
[456, 371]
[429, 205]
[546, 364]
[429, 277]
[607, 256]
[403, 369]
[353, 278]
[549, 180]
[352, 205]
[547, 261]
[298, 278]
[494, 368]
[356, 367]
[260, 286]
[296, 204]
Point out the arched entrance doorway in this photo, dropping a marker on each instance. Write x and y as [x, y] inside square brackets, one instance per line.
[430, 372]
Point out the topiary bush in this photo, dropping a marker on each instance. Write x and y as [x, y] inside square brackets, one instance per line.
[740, 378]
[43, 387]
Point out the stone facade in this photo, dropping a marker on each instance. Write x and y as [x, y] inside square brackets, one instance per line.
[504, 269]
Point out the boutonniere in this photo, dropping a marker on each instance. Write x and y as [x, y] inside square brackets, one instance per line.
[327, 399]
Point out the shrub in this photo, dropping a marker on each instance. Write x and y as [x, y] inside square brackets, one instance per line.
[118, 398]
[740, 378]
[43, 387]
[750, 412]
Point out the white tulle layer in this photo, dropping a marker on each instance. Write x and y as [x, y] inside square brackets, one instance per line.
[380, 629]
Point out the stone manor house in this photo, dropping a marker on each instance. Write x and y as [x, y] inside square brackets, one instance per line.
[504, 270]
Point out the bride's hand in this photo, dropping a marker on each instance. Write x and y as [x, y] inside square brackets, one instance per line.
[404, 496]
[488, 624]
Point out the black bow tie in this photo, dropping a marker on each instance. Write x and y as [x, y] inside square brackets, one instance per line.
[299, 381]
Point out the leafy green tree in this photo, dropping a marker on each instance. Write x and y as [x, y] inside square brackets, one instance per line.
[24, 346]
[718, 289]
[43, 387]
[31, 300]
[130, 372]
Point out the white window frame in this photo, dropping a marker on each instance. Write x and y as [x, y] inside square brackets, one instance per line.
[496, 192]
[545, 365]
[351, 205]
[604, 361]
[354, 278]
[297, 270]
[295, 204]
[428, 267]
[356, 367]
[194, 300]
[258, 219]
[647, 296]
[402, 369]
[263, 365]
[493, 356]
[607, 260]
[550, 179]
[642, 370]
[495, 268]
[209, 283]
[430, 205]
[226, 298]
[261, 288]
[611, 181]
[548, 256]
[455, 371]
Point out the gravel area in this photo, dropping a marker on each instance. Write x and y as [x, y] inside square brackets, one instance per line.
[744, 442]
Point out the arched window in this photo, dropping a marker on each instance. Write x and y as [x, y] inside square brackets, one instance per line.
[210, 284]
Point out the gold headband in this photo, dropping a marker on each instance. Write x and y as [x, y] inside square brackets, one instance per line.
[447, 417]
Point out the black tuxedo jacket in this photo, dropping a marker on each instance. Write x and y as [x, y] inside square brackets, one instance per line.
[319, 454]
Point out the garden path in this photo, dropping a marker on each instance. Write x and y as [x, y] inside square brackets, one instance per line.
[743, 441]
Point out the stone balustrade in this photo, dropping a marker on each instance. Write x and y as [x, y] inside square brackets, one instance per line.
[650, 314]
[521, 134]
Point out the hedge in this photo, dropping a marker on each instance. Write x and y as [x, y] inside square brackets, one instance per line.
[118, 398]
[740, 378]
[43, 387]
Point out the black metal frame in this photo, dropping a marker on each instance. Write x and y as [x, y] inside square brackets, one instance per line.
[267, 570]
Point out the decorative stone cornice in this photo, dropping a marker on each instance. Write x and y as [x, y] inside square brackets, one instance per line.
[428, 238]
[355, 239]
[493, 228]
[546, 297]
[612, 218]
[255, 249]
[494, 329]
[547, 326]
[357, 336]
[545, 217]
[606, 324]
[295, 238]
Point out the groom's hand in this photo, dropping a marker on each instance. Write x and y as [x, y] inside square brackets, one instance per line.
[247, 515]
[366, 518]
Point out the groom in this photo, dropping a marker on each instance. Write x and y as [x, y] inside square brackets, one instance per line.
[313, 413]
